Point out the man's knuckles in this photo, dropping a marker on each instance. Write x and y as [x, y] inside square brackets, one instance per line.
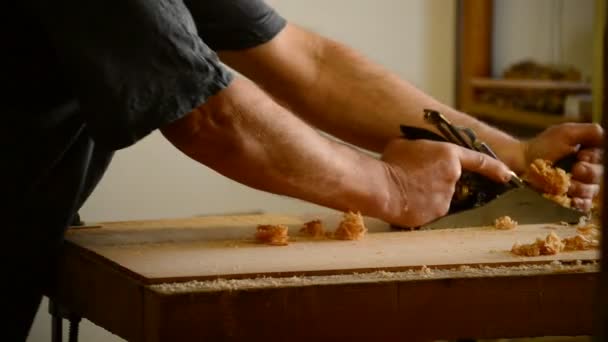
[586, 134]
[584, 204]
[587, 172]
[582, 190]
[591, 155]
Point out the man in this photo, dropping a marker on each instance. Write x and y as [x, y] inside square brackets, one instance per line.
[90, 78]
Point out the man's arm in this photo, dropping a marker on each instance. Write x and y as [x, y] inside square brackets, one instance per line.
[343, 93]
[243, 134]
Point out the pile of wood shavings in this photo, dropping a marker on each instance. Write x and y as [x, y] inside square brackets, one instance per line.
[275, 235]
[587, 238]
[313, 229]
[562, 200]
[551, 181]
[352, 227]
[548, 179]
[505, 223]
[552, 244]
[378, 276]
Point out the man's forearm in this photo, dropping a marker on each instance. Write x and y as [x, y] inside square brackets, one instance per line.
[343, 93]
[243, 134]
[379, 101]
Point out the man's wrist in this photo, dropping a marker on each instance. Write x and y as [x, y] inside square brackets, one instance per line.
[513, 153]
[385, 196]
[509, 149]
[396, 203]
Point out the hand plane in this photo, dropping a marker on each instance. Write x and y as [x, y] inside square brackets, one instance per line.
[477, 200]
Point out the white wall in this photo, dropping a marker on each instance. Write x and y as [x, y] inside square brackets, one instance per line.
[549, 31]
[414, 38]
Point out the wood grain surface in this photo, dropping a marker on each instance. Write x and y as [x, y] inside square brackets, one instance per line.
[212, 247]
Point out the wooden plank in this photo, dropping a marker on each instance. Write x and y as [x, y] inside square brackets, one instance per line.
[204, 248]
[484, 82]
[534, 303]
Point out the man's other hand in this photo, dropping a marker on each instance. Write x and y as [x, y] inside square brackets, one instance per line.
[583, 139]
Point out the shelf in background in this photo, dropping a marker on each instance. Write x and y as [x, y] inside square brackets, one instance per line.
[495, 83]
[514, 116]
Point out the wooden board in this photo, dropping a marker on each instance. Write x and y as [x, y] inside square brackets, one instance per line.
[211, 247]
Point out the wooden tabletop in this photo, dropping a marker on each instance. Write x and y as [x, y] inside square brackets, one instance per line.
[187, 279]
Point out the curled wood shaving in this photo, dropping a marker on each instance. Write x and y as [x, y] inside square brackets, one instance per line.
[547, 179]
[313, 228]
[351, 227]
[505, 223]
[272, 234]
[587, 238]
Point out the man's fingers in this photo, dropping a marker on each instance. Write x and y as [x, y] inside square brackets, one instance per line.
[584, 204]
[587, 172]
[484, 165]
[585, 134]
[582, 190]
[591, 155]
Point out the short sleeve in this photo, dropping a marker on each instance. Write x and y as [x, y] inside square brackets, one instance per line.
[235, 24]
[135, 65]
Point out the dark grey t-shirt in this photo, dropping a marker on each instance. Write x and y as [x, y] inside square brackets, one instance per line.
[86, 78]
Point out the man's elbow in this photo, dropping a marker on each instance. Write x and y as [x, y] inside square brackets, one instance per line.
[204, 133]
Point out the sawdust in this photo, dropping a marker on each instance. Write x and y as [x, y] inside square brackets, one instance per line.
[313, 229]
[275, 235]
[373, 277]
[505, 223]
[351, 227]
[426, 270]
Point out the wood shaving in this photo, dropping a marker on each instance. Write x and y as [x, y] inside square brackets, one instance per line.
[547, 179]
[590, 230]
[314, 229]
[352, 227]
[587, 238]
[562, 200]
[580, 242]
[275, 235]
[550, 245]
[505, 223]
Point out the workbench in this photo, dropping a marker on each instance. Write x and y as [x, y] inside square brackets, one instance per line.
[205, 278]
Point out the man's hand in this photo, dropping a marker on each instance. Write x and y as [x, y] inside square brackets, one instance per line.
[243, 134]
[584, 140]
[341, 92]
[426, 173]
